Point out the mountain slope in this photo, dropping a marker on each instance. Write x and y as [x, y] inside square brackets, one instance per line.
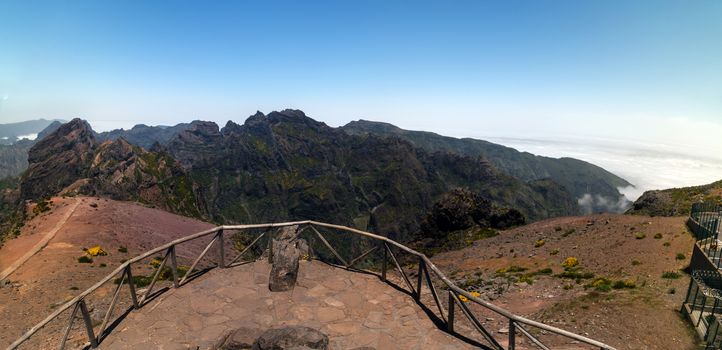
[12, 132]
[14, 156]
[676, 201]
[522, 269]
[71, 160]
[143, 135]
[289, 166]
[577, 176]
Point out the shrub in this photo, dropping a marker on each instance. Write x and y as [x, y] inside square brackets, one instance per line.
[526, 279]
[568, 232]
[658, 236]
[42, 206]
[570, 262]
[601, 284]
[539, 243]
[554, 252]
[103, 265]
[624, 284]
[636, 262]
[576, 274]
[465, 299]
[672, 291]
[122, 249]
[666, 244]
[639, 235]
[680, 256]
[155, 262]
[672, 275]
[545, 271]
[96, 251]
[85, 260]
[568, 286]
[558, 228]
[74, 288]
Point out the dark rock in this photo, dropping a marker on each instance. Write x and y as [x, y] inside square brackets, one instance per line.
[506, 218]
[284, 257]
[291, 337]
[457, 209]
[58, 160]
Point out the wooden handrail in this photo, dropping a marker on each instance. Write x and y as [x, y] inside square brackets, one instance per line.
[427, 266]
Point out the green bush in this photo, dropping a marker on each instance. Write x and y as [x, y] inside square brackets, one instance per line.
[85, 259]
[658, 236]
[545, 271]
[680, 256]
[624, 284]
[122, 249]
[672, 275]
[639, 235]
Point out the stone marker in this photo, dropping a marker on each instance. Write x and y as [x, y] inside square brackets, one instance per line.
[284, 256]
[291, 337]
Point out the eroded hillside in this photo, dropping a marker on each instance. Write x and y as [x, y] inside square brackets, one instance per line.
[623, 283]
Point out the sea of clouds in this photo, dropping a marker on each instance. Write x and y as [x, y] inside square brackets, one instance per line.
[647, 166]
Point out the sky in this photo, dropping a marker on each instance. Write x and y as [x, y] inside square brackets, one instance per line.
[628, 72]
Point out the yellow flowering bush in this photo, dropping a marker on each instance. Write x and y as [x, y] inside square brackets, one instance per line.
[570, 262]
[466, 300]
[96, 251]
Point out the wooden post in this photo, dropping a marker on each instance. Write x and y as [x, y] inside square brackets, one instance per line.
[512, 335]
[450, 319]
[174, 266]
[88, 324]
[131, 286]
[419, 279]
[222, 256]
[384, 264]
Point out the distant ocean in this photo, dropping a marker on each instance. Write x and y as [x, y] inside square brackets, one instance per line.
[647, 166]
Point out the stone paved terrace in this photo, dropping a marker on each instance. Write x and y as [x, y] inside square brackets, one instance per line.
[353, 309]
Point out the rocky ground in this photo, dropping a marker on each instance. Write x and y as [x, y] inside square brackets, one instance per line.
[54, 275]
[633, 307]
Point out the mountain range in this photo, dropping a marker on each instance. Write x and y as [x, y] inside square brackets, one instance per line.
[285, 165]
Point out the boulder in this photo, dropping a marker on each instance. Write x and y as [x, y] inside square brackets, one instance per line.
[284, 257]
[291, 337]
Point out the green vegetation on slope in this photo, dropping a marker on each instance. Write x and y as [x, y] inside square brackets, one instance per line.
[577, 176]
[676, 201]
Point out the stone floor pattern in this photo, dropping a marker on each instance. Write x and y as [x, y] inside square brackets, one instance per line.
[353, 309]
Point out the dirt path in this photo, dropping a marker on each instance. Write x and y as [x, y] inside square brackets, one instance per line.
[41, 244]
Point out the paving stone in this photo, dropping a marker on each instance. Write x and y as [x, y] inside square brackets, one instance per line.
[329, 314]
[354, 310]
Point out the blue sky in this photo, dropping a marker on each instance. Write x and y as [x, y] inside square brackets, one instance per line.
[630, 70]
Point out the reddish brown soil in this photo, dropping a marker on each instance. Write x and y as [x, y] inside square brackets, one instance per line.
[645, 317]
[54, 275]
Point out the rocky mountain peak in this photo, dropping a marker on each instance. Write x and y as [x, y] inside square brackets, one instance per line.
[115, 151]
[58, 159]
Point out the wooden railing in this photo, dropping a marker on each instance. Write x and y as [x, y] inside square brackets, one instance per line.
[426, 268]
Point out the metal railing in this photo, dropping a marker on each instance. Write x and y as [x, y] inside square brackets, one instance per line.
[95, 333]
